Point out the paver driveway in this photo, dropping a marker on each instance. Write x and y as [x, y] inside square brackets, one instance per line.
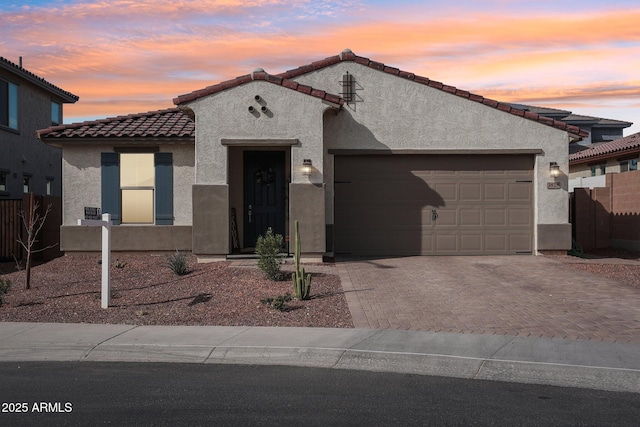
[506, 295]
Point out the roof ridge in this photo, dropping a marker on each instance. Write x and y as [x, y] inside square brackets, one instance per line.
[20, 69]
[348, 55]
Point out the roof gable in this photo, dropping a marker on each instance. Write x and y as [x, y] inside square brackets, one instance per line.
[38, 81]
[257, 75]
[348, 55]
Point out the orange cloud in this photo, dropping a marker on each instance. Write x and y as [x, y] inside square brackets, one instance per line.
[128, 56]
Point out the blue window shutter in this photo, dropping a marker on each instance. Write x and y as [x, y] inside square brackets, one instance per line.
[164, 188]
[111, 185]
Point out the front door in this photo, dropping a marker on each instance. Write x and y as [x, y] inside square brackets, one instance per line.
[264, 194]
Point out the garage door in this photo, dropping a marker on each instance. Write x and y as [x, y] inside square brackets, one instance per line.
[433, 204]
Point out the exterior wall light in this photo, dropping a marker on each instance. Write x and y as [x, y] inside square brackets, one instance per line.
[554, 169]
[307, 166]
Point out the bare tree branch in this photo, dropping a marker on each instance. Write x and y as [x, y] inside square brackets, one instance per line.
[33, 224]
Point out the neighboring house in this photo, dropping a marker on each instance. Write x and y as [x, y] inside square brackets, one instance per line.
[28, 103]
[370, 159]
[600, 130]
[587, 168]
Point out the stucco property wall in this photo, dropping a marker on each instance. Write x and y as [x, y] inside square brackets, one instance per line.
[82, 174]
[392, 113]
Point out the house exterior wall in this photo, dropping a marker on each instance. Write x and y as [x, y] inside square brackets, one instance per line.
[81, 187]
[392, 113]
[20, 151]
[82, 176]
[583, 170]
[224, 116]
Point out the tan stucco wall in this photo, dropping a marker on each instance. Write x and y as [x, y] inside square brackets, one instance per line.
[395, 113]
[307, 206]
[82, 179]
[211, 220]
[127, 238]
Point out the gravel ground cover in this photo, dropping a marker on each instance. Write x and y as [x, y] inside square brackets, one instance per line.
[608, 263]
[145, 291]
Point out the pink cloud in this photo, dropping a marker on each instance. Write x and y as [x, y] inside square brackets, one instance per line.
[128, 56]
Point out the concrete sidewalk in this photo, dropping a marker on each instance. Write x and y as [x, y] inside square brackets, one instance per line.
[571, 363]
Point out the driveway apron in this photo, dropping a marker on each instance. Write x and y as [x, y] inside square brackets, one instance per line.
[529, 296]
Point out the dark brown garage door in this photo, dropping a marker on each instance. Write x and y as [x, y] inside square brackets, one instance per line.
[433, 204]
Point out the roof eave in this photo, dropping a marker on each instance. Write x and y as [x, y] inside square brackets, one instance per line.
[92, 140]
[65, 96]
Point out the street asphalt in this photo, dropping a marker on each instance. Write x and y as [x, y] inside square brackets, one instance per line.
[571, 363]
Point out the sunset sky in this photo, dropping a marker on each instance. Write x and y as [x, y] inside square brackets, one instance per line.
[129, 56]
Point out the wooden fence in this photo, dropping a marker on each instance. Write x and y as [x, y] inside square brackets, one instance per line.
[10, 228]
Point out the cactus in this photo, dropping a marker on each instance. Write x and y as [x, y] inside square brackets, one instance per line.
[301, 280]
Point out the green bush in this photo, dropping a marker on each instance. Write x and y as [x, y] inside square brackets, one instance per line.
[269, 248]
[279, 302]
[178, 263]
[5, 285]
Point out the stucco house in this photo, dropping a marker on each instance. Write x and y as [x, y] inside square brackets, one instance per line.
[27, 103]
[372, 160]
[588, 167]
[600, 129]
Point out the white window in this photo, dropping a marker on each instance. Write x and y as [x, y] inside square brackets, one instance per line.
[137, 180]
[26, 184]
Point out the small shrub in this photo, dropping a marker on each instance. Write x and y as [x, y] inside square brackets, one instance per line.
[5, 285]
[119, 264]
[178, 263]
[279, 302]
[268, 248]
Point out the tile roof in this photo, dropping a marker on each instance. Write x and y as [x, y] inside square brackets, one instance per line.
[575, 118]
[607, 149]
[259, 74]
[18, 70]
[545, 111]
[348, 55]
[168, 123]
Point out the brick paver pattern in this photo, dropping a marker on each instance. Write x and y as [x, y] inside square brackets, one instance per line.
[529, 296]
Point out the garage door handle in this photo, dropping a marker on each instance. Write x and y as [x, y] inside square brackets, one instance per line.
[434, 214]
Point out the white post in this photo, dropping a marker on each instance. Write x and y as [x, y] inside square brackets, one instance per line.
[106, 253]
[106, 260]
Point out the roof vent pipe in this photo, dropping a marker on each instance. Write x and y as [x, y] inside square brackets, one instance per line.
[20, 61]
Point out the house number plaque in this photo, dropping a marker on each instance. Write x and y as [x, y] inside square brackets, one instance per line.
[553, 186]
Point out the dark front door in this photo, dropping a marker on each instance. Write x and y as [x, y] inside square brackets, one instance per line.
[264, 194]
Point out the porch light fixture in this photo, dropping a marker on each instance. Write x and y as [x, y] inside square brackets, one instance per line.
[554, 169]
[306, 167]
